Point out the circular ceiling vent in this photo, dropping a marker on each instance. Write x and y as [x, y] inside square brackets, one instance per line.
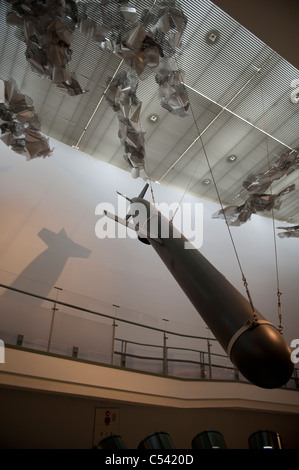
[212, 37]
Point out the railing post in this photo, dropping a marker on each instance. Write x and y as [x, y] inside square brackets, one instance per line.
[236, 374]
[165, 361]
[54, 309]
[203, 373]
[114, 325]
[209, 357]
[20, 339]
[123, 353]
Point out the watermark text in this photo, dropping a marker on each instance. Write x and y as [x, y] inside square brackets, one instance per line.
[187, 220]
[295, 352]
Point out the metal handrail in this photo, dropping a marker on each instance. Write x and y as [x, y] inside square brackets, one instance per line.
[187, 361]
[168, 347]
[139, 344]
[92, 312]
[123, 353]
[201, 363]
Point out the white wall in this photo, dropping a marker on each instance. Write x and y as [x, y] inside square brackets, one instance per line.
[62, 192]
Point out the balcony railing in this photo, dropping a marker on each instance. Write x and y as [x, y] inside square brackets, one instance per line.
[110, 335]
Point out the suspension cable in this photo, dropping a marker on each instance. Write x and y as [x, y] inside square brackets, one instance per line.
[229, 230]
[279, 293]
[255, 318]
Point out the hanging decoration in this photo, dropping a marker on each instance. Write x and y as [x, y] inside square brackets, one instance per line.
[151, 43]
[238, 215]
[19, 124]
[286, 164]
[295, 93]
[115, 26]
[121, 96]
[256, 185]
[290, 232]
[172, 92]
[47, 28]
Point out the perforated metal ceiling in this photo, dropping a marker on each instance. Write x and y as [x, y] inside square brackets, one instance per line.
[239, 91]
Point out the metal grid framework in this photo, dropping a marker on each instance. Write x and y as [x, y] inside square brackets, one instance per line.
[239, 92]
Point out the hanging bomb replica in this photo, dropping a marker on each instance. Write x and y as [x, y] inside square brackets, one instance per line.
[252, 343]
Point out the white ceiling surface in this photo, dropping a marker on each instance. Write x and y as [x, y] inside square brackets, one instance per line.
[239, 73]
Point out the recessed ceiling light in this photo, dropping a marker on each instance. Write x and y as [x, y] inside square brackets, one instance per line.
[206, 181]
[212, 37]
[153, 118]
[232, 158]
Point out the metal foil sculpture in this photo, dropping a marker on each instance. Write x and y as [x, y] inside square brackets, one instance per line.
[121, 96]
[238, 215]
[19, 124]
[156, 36]
[256, 185]
[47, 27]
[290, 232]
[116, 27]
[286, 164]
[172, 92]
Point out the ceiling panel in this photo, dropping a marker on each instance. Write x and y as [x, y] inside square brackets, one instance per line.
[239, 93]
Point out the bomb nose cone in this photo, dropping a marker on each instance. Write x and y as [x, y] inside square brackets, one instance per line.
[263, 356]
